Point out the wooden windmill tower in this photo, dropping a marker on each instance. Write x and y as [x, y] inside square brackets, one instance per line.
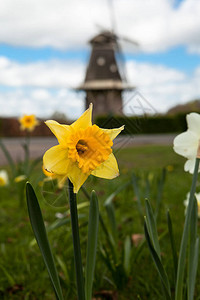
[104, 81]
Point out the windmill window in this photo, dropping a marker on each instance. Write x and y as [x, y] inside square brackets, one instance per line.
[101, 61]
[113, 68]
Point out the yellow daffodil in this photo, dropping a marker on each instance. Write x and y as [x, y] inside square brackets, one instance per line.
[60, 178]
[3, 178]
[28, 122]
[83, 149]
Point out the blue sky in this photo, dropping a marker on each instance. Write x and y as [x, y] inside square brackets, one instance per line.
[44, 51]
[176, 57]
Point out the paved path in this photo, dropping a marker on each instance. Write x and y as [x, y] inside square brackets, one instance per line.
[39, 145]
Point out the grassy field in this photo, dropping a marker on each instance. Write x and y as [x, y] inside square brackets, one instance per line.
[22, 272]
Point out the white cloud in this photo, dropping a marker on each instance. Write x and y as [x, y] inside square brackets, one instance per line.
[194, 49]
[155, 24]
[41, 102]
[42, 88]
[52, 73]
[164, 87]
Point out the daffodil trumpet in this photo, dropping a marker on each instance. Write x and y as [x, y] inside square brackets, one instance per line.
[84, 149]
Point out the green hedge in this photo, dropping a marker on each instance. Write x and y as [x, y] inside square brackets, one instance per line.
[144, 124]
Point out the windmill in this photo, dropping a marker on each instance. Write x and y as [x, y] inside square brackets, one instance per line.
[105, 78]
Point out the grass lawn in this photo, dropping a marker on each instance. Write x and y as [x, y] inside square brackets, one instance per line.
[22, 272]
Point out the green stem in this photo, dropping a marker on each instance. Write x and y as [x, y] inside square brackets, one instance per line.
[76, 243]
[27, 153]
[185, 236]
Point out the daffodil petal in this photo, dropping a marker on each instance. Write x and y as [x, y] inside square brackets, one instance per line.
[186, 144]
[193, 121]
[76, 176]
[56, 160]
[189, 165]
[60, 131]
[61, 181]
[113, 132]
[108, 169]
[84, 121]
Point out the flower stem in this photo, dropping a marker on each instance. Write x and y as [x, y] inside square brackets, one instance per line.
[185, 236]
[76, 243]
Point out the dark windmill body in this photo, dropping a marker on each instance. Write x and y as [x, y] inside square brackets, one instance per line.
[103, 82]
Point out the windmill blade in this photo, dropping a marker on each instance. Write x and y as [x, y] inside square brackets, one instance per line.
[101, 27]
[112, 15]
[114, 25]
[121, 61]
[128, 40]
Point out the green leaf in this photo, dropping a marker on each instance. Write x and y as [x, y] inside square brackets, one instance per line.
[7, 275]
[93, 225]
[160, 268]
[112, 196]
[151, 225]
[160, 191]
[137, 193]
[111, 218]
[61, 222]
[9, 158]
[127, 255]
[173, 245]
[109, 238]
[42, 239]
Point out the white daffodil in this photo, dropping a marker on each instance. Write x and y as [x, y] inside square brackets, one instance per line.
[186, 201]
[3, 178]
[187, 143]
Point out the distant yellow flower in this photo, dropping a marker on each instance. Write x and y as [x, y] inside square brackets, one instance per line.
[170, 168]
[28, 122]
[20, 178]
[60, 178]
[83, 149]
[3, 178]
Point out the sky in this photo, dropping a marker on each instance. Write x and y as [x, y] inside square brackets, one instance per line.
[44, 51]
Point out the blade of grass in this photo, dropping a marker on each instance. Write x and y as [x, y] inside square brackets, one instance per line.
[172, 242]
[184, 240]
[193, 252]
[161, 183]
[61, 222]
[111, 218]
[109, 239]
[151, 225]
[42, 239]
[7, 275]
[161, 271]
[112, 196]
[127, 255]
[93, 226]
[9, 158]
[137, 193]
